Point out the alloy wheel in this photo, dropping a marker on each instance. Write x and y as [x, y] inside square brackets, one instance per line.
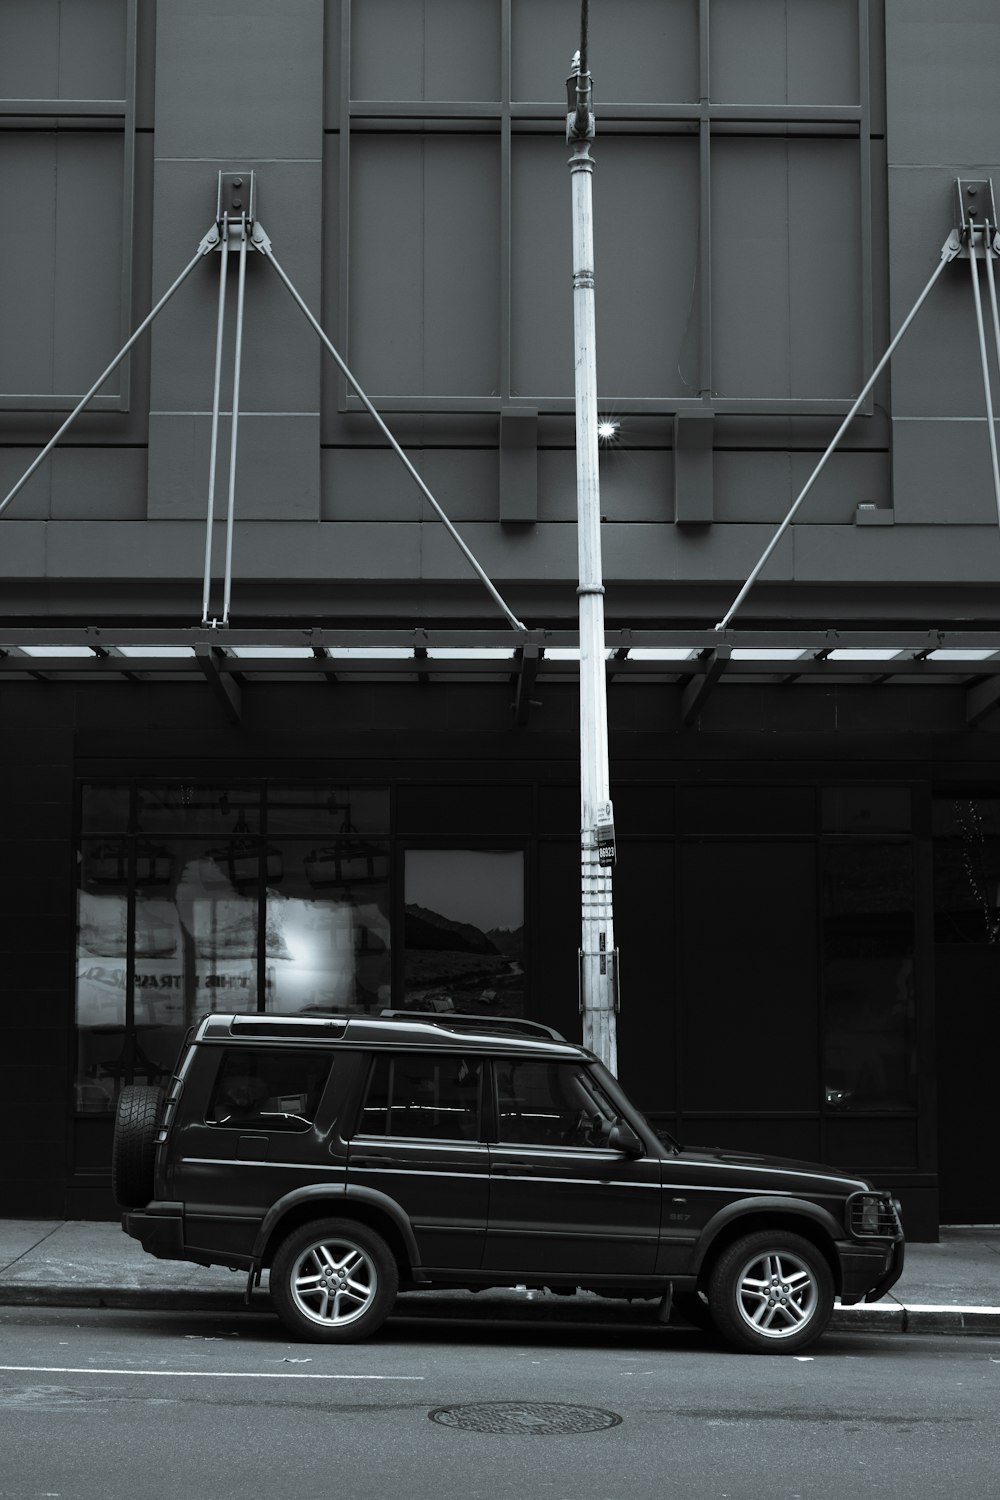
[333, 1282]
[777, 1294]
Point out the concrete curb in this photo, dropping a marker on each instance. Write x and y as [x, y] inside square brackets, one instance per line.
[861, 1318]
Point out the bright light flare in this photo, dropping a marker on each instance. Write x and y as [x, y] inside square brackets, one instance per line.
[607, 430]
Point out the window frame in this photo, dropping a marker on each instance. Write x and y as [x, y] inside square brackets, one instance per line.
[117, 116]
[707, 119]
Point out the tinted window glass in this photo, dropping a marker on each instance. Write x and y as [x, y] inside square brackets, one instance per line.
[550, 1104]
[868, 976]
[436, 1098]
[267, 1090]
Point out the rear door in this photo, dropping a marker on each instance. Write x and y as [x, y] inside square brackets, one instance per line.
[561, 1200]
[250, 1129]
[418, 1141]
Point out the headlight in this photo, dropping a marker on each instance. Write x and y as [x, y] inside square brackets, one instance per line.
[872, 1214]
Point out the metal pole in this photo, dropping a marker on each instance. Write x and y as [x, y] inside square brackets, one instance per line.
[984, 360]
[949, 251]
[990, 250]
[597, 953]
[214, 447]
[237, 363]
[208, 243]
[263, 244]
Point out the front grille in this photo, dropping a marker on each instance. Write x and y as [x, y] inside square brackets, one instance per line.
[873, 1217]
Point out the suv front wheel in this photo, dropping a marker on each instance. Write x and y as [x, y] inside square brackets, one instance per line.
[771, 1292]
[334, 1281]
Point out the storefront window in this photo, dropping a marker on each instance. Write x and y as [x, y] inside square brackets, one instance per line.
[464, 933]
[195, 909]
[868, 976]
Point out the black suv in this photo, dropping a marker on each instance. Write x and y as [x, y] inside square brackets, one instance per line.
[355, 1157]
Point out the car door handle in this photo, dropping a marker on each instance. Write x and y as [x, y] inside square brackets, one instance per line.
[377, 1161]
[509, 1169]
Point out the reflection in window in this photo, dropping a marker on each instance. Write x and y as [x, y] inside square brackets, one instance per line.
[188, 807]
[868, 976]
[321, 810]
[329, 930]
[967, 870]
[464, 931]
[165, 935]
[434, 1098]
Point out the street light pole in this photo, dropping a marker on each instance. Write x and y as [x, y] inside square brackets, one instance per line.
[598, 955]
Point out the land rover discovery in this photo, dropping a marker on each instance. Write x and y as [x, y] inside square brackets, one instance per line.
[358, 1157]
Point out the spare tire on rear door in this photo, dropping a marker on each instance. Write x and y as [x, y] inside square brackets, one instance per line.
[136, 1123]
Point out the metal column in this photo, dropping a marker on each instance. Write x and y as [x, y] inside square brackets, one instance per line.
[598, 956]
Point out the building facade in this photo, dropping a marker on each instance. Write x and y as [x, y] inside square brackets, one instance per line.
[267, 740]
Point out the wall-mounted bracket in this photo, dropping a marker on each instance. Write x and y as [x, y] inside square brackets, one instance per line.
[236, 208]
[977, 215]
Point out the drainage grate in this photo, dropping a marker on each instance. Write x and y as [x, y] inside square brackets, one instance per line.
[530, 1418]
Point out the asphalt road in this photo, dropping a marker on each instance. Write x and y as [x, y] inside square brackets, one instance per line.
[116, 1404]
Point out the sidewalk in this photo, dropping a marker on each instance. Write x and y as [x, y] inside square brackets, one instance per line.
[951, 1287]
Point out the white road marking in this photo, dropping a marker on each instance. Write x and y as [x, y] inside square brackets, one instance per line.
[198, 1374]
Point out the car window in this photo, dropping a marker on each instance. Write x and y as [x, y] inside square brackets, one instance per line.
[255, 1089]
[551, 1104]
[434, 1097]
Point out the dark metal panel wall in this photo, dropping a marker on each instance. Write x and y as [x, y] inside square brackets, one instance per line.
[425, 248]
[237, 84]
[63, 49]
[943, 121]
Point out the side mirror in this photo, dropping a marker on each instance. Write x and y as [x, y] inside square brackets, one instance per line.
[622, 1137]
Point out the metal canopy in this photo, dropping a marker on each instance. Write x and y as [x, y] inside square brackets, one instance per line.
[230, 660]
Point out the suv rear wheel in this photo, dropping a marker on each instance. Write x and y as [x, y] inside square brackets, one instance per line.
[771, 1292]
[334, 1281]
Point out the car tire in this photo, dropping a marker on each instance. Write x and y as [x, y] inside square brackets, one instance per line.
[134, 1144]
[771, 1292]
[333, 1281]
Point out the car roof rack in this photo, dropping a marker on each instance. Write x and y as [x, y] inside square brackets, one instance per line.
[467, 1021]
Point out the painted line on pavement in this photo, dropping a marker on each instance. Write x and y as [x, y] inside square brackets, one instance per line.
[197, 1374]
[945, 1307]
[918, 1307]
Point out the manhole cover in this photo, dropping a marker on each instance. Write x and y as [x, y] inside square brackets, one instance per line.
[537, 1418]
